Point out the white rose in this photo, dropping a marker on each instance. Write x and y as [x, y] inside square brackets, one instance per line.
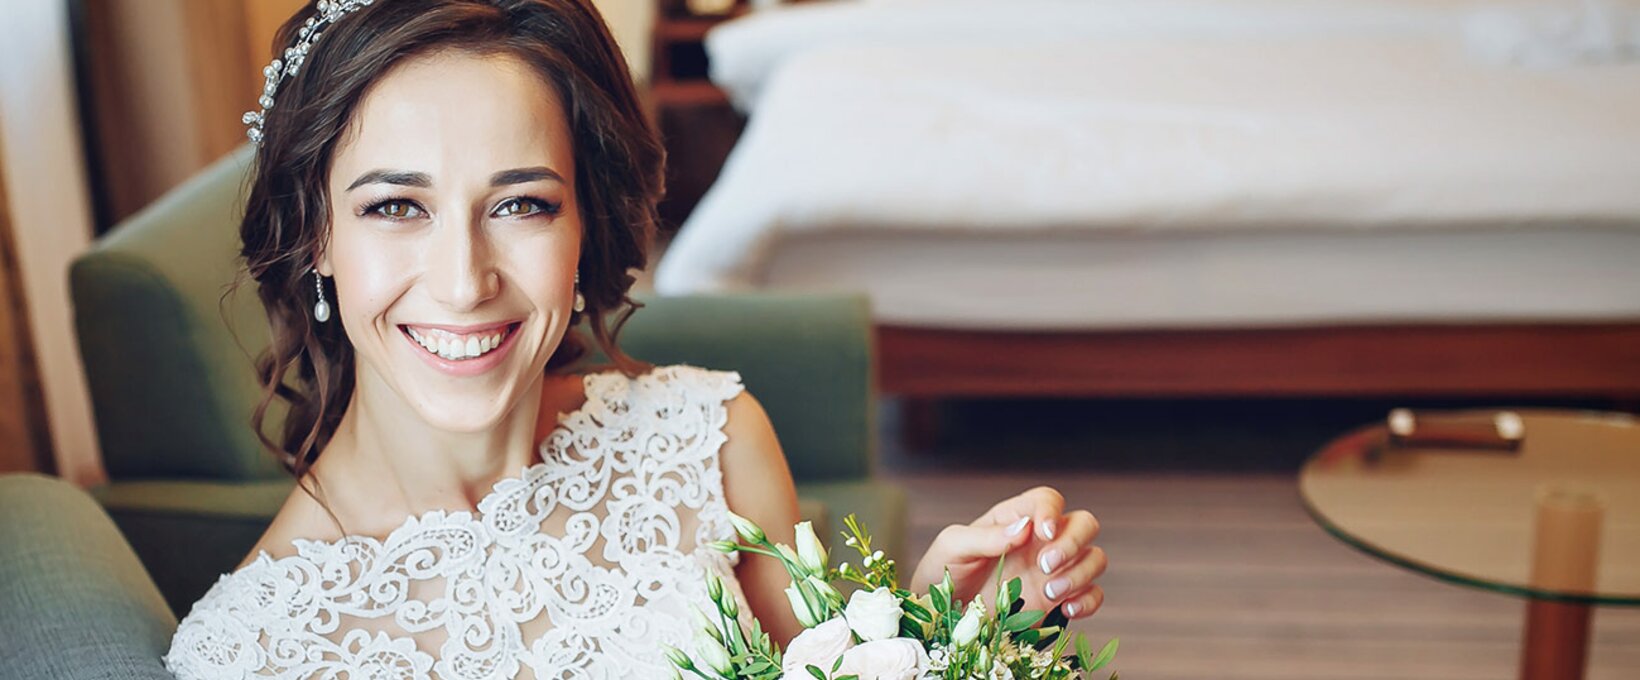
[818, 646]
[874, 615]
[892, 659]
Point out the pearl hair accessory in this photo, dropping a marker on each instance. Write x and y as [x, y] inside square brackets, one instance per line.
[329, 11]
[321, 309]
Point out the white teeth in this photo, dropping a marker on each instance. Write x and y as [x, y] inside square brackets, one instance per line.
[452, 347]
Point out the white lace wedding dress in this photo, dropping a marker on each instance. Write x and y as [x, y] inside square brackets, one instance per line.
[581, 567]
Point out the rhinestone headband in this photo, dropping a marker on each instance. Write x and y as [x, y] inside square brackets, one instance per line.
[329, 12]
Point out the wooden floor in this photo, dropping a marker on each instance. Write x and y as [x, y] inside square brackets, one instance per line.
[1224, 576]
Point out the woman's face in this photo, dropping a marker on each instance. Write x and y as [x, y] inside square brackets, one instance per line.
[454, 235]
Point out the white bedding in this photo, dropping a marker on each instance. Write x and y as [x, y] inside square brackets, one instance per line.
[745, 52]
[884, 164]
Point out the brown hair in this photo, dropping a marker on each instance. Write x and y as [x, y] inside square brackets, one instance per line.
[618, 179]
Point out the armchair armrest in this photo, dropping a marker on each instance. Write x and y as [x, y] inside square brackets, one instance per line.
[74, 601]
[807, 358]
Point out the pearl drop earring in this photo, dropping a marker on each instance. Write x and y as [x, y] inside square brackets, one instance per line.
[580, 300]
[321, 309]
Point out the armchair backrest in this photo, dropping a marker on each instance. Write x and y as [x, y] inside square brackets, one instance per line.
[168, 345]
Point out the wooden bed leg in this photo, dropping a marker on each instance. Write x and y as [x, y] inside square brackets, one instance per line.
[919, 423]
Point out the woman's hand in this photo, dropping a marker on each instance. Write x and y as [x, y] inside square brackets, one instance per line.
[1050, 550]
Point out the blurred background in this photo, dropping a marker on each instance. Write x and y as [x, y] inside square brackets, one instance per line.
[1155, 253]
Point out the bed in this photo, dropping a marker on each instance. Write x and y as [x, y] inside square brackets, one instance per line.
[1292, 203]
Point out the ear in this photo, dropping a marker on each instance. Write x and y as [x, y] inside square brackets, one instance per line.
[322, 261]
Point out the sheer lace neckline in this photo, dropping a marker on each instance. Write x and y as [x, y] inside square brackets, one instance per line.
[565, 421]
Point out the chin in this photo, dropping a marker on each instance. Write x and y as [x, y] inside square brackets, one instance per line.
[465, 415]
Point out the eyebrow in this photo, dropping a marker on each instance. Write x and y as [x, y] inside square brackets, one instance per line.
[525, 175]
[422, 180]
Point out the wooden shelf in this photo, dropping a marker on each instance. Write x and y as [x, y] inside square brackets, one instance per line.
[689, 29]
[688, 93]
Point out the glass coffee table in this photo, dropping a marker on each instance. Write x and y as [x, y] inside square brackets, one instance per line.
[1544, 505]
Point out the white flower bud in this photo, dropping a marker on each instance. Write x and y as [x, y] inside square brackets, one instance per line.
[716, 657]
[706, 625]
[714, 587]
[967, 629]
[801, 608]
[678, 658]
[824, 590]
[811, 555]
[788, 555]
[749, 531]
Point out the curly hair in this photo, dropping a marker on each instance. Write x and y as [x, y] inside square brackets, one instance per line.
[309, 366]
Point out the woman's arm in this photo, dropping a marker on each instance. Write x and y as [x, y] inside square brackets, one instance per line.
[758, 486]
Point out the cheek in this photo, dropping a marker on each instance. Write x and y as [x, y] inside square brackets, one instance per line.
[370, 273]
[542, 267]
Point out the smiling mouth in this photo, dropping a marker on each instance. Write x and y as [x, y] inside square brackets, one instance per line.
[458, 346]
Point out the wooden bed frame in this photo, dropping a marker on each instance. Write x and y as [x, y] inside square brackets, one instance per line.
[1500, 360]
[1494, 361]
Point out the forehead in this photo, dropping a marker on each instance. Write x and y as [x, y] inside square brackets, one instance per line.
[454, 113]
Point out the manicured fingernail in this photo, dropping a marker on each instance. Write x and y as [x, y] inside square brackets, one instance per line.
[1045, 529]
[1049, 560]
[1056, 587]
[1018, 526]
[1071, 609]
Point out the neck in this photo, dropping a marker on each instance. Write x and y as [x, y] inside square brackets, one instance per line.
[384, 463]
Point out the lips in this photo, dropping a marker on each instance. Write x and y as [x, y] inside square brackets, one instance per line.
[459, 344]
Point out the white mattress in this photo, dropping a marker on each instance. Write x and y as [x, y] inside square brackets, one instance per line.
[1125, 281]
[1181, 183]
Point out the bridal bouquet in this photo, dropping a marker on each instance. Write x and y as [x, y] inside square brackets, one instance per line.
[882, 632]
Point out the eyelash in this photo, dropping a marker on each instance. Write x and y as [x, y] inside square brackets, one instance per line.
[542, 207]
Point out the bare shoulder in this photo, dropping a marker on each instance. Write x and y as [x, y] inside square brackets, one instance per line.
[748, 428]
[301, 517]
[756, 479]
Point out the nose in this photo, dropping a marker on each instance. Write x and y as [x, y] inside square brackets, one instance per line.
[461, 272]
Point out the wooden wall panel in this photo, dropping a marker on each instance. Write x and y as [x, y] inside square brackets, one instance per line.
[25, 441]
[166, 82]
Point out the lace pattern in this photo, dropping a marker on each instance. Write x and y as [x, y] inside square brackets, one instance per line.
[580, 567]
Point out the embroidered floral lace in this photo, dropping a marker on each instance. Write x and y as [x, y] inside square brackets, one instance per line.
[581, 567]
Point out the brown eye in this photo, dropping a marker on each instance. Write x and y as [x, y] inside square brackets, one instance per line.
[524, 207]
[396, 209]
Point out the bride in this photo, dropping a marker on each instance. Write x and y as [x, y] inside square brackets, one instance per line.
[442, 189]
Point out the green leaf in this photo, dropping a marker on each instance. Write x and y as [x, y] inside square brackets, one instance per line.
[1105, 655]
[915, 611]
[815, 671]
[1084, 651]
[1018, 622]
[1014, 588]
[837, 664]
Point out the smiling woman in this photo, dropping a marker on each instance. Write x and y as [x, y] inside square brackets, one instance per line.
[443, 189]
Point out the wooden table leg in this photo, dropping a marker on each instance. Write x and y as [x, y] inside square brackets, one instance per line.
[1556, 646]
[1566, 558]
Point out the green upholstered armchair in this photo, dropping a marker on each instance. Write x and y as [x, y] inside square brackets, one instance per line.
[172, 385]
